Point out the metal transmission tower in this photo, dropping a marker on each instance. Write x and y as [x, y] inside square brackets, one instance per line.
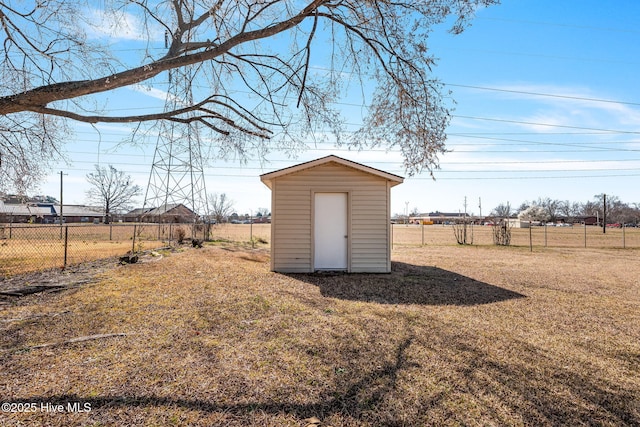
[177, 172]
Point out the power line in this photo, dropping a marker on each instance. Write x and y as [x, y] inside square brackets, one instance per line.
[588, 145]
[523, 92]
[479, 162]
[442, 164]
[557, 24]
[636, 172]
[462, 85]
[527, 178]
[546, 124]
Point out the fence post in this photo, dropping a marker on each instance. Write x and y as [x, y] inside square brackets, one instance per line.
[585, 234]
[530, 237]
[545, 234]
[624, 243]
[66, 244]
[110, 231]
[391, 225]
[422, 222]
[133, 247]
[10, 229]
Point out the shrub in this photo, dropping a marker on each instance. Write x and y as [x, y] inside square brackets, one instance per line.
[463, 232]
[502, 233]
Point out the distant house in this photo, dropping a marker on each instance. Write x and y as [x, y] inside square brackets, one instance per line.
[438, 217]
[135, 215]
[23, 213]
[588, 220]
[175, 213]
[47, 213]
[330, 214]
[519, 223]
[77, 213]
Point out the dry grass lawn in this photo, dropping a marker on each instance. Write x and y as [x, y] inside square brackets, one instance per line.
[454, 336]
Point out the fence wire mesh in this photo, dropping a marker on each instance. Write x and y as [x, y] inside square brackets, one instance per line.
[576, 236]
[26, 248]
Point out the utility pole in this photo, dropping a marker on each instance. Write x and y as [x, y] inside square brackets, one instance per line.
[406, 212]
[61, 213]
[465, 207]
[604, 214]
[480, 206]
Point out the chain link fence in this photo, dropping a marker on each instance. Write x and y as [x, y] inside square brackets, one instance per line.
[26, 248]
[575, 236]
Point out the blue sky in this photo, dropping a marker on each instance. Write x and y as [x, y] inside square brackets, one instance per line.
[547, 105]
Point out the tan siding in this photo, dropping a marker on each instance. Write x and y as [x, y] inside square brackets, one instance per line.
[293, 241]
[369, 240]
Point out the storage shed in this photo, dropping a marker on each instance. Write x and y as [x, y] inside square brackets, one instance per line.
[330, 214]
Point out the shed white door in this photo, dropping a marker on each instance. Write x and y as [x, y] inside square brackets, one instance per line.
[330, 231]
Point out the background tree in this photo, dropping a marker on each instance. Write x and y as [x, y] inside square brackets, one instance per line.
[551, 206]
[564, 209]
[591, 208]
[577, 209]
[503, 210]
[617, 210]
[252, 56]
[535, 213]
[112, 190]
[524, 205]
[262, 212]
[220, 207]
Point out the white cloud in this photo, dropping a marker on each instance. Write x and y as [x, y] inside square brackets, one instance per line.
[159, 94]
[570, 106]
[119, 25]
[150, 91]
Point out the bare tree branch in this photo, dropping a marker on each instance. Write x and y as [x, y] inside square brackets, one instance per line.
[253, 62]
[111, 189]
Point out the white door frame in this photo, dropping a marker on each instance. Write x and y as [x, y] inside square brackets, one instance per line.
[347, 236]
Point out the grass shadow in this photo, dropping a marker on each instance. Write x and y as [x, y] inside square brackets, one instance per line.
[355, 400]
[408, 284]
[511, 393]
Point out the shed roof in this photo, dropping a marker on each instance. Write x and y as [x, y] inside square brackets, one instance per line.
[267, 178]
[169, 209]
[138, 211]
[23, 209]
[79, 210]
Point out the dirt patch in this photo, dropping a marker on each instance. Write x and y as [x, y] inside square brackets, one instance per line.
[59, 279]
